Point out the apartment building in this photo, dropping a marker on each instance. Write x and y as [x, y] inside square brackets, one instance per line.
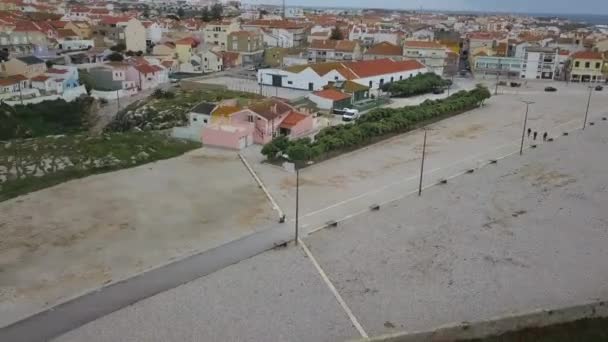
[431, 54]
[216, 33]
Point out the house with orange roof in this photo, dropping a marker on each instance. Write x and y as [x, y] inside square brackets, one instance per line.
[330, 99]
[258, 123]
[384, 50]
[371, 73]
[13, 84]
[334, 50]
[429, 53]
[586, 66]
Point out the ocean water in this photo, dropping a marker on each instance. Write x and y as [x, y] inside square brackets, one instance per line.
[592, 19]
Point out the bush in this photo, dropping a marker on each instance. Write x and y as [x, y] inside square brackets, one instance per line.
[376, 124]
[419, 84]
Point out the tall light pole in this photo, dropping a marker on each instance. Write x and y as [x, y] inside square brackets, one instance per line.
[523, 132]
[588, 103]
[297, 200]
[422, 164]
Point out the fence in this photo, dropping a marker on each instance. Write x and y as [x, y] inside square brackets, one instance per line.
[68, 95]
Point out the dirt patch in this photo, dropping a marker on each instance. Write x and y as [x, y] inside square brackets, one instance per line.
[540, 177]
[468, 132]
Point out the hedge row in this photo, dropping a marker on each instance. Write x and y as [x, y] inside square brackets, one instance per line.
[419, 84]
[375, 125]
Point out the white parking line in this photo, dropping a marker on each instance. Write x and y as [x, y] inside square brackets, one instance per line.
[335, 292]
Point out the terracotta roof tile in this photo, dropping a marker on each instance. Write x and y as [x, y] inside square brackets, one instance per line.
[423, 44]
[332, 94]
[385, 49]
[587, 55]
[292, 119]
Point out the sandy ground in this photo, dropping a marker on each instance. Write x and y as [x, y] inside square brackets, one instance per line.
[62, 241]
[528, 233]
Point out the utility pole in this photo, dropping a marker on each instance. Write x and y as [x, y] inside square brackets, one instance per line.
[523, 132]
[422, 164]
[297, 200]
[588, 103]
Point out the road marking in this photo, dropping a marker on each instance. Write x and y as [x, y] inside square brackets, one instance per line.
[333, 289]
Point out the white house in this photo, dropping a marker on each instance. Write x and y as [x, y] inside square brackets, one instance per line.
[370, 73]
[154, 32]
[46, 84]
[278, 37]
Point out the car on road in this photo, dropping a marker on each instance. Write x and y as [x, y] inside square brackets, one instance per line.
[350, 114]
[599, 88]
[550, 89]
[251, 68]
[438, 91]
[173, 80]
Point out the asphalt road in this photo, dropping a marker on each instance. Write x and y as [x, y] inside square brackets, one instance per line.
[79, 311]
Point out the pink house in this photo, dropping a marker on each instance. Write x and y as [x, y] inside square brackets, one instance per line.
[259, 124]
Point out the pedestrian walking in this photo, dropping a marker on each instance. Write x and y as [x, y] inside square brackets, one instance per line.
[529, 132]
[535, 134]
[545, 136]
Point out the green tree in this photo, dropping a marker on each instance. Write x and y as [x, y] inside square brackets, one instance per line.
[217, 11]
[299, 153]
[49, 64]
[336, 33]
[205, 15]
[181, 13]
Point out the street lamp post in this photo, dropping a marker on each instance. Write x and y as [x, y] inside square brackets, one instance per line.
[523, 132]
[422, 164]
[588, 103]
[297, 200]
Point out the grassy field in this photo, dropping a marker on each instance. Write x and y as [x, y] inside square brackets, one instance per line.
[33, 164]
[585, 330]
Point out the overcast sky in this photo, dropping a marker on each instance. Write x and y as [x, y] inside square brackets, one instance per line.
[533, 6]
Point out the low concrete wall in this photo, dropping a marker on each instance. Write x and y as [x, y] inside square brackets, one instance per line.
[68, 95]
[497, 326]
[193, 85]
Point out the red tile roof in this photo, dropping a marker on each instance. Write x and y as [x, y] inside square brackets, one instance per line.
[167, 64]
[587, 55]
[12, 80]
[187, 41]
[145, 68]
[40, 78]
[382, 66]
[292, 119]
[332, 94]
[114, 20]
[338, 45]
[385, 49]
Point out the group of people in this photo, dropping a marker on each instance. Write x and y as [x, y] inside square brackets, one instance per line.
[535, 134]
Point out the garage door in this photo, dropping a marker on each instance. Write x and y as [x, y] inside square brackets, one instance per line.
[242, 142]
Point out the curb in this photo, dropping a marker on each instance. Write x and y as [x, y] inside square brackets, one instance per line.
[275, 206]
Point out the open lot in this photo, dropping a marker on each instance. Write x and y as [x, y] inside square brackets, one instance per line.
[71, 238]
[252, 86]
[339, 187]
[528, 233]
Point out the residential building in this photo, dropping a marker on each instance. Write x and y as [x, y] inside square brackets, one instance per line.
[167, 49]
[371, 73]
[112, 77]
[586, 66]
[154, 33]
[231, 59]
[125, 30]
[135, 35]
[46, 84]
[540, 63]
[66, 75]
[249, 44]
[319, 35]
[28, 66]
[334, 50]
[14, 84]
[423, 34]
[284, 32]
[330, 99]
[384, 50]
[212, 61]
[369, 36]
[184, 48]
[216, 33]
[83, 29]
[429, 53]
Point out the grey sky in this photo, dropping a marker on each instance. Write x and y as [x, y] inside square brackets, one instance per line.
[536, 6]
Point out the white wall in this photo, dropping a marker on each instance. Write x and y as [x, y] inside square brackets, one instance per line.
[532, 65]
[321, 102]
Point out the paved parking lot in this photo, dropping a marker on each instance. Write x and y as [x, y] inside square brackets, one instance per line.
[348, 184]
[79, 235]
[527, 233]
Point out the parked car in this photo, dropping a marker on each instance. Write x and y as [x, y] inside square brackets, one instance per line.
[599, 88]
[350, 114]
[550, 89]
[438, 91]
[515, 85]
[173, 80]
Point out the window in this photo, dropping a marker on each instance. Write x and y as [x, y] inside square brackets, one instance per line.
[576, 64]
[392, 79]
[371, 84]
[205, 120]
[587, 65]
[289, 82]
[598, 65]
[336, 78]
